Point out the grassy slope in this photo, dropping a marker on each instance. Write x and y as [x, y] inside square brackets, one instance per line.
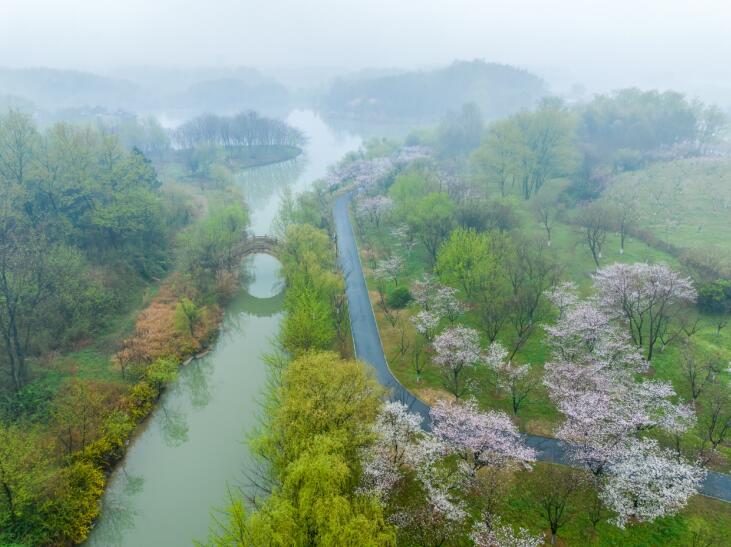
[686, 203]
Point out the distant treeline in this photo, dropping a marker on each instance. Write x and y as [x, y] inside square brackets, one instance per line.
[243, 129]
[148, 89]
[499, 90]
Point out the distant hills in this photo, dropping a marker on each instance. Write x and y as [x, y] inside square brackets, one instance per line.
[392, 95]
[498, 89]
[52, 88]
[145, 89]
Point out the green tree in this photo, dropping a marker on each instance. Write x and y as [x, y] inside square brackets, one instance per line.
[215, 245]
[72, 503]
[528, 148]
[78, 412]
[467, 260]
[497, 160]
[187, 316]
[309, 324]
[459, 133]
[714, 298]
[24, 471]
[430, 219]
[318, 419]
[410, 186]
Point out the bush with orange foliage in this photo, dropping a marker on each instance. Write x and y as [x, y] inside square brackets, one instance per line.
[156, 335]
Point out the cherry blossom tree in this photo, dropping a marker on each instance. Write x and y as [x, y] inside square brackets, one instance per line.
[403, 450]
[390, 268]
[423, 292]
[426, 323]
[440, 504]
[398, 433]
[647, 297]
[409, 154]
[457, 349]
[563, 296]
[491, 532]
[585, 335]
[598, 422]
[645, 482]
[518, 380]
[681, 420]
[363, 173]
[369, 172]
[591, 379]
[429, 294]
[446, 303]
[373, 208]
[480, 438]
[403, 237]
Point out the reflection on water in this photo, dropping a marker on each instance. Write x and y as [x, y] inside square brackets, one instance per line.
[191, 449]
[260, 183]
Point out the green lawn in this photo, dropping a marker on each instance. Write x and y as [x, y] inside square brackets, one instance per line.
[705, 522]
[686, 203]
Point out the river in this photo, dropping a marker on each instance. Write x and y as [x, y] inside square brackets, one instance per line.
[183, 460]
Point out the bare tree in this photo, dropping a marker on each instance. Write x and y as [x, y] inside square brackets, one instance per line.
[546, 211]
[715, 420]
[556, 490]
[624, 214]
[417, 358]
[595, 221]
[531, 274]
[699, 372]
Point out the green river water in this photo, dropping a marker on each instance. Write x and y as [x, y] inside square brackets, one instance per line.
[192, 448]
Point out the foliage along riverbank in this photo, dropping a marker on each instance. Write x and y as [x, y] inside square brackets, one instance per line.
[317, 412]
[87, 224]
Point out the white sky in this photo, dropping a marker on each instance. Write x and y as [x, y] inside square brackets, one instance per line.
[671, 38]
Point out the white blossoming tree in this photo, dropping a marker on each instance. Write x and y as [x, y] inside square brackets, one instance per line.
[645, 482]
[591, 379]
[455, 350]
[390, 268]
[480, 438]
[647, 297]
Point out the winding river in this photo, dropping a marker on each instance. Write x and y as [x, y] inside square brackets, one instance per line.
[192, 448]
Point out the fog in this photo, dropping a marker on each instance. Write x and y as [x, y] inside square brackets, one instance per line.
[604, 45]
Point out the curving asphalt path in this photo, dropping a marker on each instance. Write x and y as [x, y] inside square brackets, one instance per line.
[368, 348]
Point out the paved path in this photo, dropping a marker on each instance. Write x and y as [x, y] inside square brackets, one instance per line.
[368, 348]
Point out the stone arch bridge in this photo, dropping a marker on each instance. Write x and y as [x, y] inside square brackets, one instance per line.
[261, 244]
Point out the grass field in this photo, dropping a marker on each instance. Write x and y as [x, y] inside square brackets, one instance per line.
[704, 522]
[686, 203]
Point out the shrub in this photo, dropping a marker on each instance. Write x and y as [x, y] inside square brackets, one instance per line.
[398, 298]
[74, 502]
[141, 399]
[110, 447]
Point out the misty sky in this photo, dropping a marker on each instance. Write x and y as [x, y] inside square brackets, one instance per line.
[665, 37]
